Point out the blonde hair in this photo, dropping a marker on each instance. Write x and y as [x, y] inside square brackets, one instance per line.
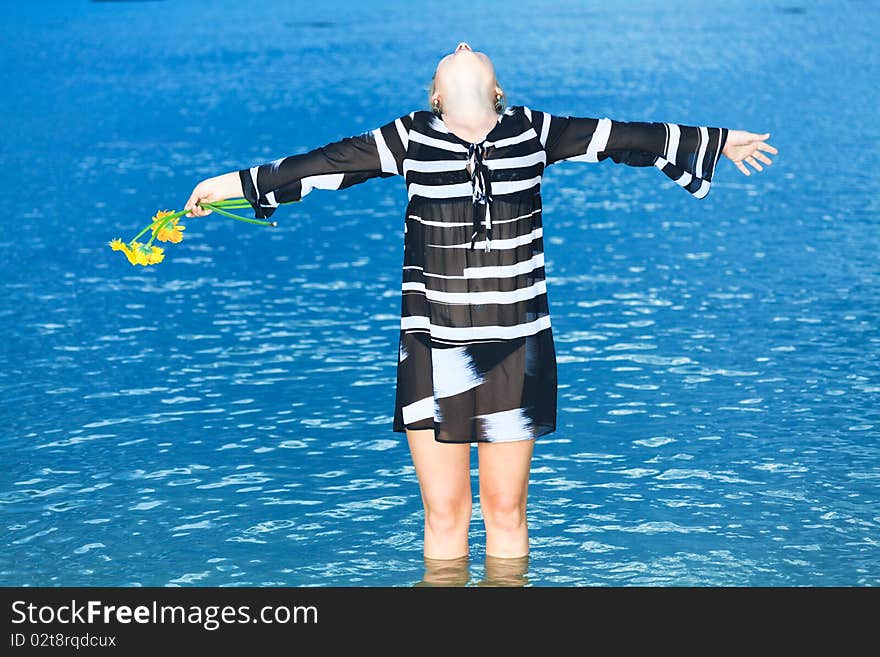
[500, 103]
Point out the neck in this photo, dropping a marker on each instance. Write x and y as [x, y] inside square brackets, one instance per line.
[472, 109]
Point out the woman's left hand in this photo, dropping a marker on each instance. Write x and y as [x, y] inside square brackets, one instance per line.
[742, 146]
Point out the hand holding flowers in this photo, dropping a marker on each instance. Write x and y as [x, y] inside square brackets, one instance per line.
[210, 195]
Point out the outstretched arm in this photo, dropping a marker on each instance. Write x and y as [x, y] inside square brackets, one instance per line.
[686, 154]
[341, 164]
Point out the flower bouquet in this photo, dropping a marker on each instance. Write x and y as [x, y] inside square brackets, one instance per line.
[165, 227]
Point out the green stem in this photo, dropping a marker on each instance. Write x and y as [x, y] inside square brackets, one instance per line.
[241, 201]
[173, 215]
[134, 239]
[234, 207]
[218, 210]
[231, 201]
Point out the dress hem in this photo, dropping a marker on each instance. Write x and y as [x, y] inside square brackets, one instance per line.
[478, 440]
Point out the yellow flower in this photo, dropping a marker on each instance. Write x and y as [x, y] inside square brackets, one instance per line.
[137, 253]
[148, 255]
[170, 232]
[118, 245]
[161, 214]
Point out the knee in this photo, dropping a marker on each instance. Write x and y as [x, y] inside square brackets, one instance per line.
[449, 514]
[503, 510]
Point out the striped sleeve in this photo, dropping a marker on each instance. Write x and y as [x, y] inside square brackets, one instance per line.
[686, 154]
[349, 161]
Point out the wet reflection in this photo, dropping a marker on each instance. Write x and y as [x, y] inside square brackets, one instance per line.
[502, 571]
[499, 571]
[445, 572]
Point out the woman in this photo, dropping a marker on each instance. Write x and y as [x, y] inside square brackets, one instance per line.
[476, 360]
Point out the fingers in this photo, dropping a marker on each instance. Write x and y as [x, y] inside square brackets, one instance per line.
[756, 144]
[191, 203]
[194, 209]
[193, 206]
[756, 155]
[755, 136]
[197, 210]
[751, 160]
[762, 157]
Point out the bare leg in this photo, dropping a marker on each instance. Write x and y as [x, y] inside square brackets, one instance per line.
[504, 483]
[443, 470]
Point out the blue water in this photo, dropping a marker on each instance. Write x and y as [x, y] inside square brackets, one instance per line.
[224, 418]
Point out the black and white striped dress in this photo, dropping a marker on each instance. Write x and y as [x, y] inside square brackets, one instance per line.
[476, 359]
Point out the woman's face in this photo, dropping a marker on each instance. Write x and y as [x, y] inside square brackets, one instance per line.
[464, 68]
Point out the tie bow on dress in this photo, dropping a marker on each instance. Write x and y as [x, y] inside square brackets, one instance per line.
[482, 194]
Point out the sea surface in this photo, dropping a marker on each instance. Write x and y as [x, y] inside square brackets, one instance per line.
[225, 417]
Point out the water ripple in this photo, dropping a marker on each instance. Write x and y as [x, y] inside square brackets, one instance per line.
[225, 418]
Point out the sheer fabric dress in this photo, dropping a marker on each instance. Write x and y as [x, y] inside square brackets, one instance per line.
[476, 359]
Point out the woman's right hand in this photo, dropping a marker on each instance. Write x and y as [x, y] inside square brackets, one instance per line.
[213, 189]
[742, 145]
